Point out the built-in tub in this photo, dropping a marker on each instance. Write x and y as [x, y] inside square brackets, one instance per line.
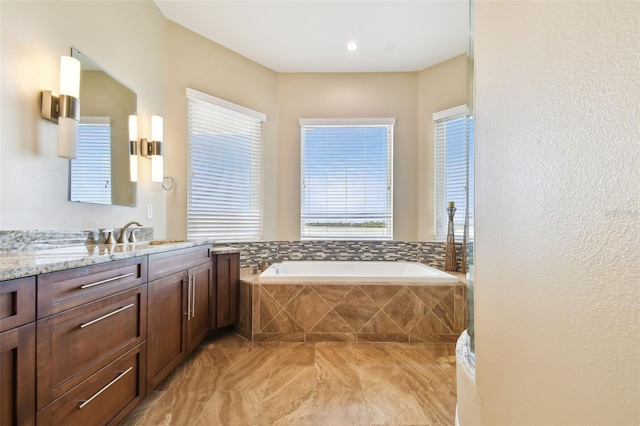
[352, 301]
[355, 271]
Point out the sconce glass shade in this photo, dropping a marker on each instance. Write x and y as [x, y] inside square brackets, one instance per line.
[133, 148]
[157, 168]
[67, 137]
[157, 136]
[67, 121]
[70, 76]
[133, 127]
[157, 132]
[133, 168]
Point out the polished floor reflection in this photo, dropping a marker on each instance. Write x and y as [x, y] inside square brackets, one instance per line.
[232, 381]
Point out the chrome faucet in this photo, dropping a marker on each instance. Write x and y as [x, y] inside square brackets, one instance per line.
[123, 234]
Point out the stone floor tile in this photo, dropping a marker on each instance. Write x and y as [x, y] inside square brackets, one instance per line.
[231, 381]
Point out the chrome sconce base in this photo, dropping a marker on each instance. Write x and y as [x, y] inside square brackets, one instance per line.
[56, 106]
[149, 148]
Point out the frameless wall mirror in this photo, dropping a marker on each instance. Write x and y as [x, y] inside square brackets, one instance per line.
[100, 172]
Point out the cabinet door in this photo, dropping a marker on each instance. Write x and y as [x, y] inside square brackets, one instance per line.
[199, 294]
[227, 284]
[167, 326]
[17, 302]
[17, 376]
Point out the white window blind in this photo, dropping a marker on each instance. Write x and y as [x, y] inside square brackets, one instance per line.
[347, 178]
[453, 140]
[91, 169]
[225, 169]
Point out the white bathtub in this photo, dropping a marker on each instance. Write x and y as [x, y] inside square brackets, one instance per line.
[354, 271]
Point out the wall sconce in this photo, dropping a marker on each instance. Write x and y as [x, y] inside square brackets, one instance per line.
[154, 148]
[148, 148]
[133, 148]
[64, 109]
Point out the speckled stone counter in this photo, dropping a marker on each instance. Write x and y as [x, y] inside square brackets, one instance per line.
[24, 263]
[224, 250]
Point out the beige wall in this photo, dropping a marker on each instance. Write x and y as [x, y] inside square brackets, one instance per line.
[158, 60]
[347, 96]
[127, 39]
[440, 87]
[198, 63]
[558, 212]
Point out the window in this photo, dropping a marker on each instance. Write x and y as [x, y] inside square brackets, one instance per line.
[453, 141]
[224, 200]
[90, 180]
[347, 179]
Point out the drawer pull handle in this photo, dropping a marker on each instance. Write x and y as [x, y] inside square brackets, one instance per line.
[85, 402]
[107, 280]
[193, 296]
[87, 324]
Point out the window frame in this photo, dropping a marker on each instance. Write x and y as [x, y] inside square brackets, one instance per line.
[386, 122]
[441, 198]
[90, 173]
[254, 188]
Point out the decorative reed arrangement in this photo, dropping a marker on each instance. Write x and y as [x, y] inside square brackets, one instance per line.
[450, 247]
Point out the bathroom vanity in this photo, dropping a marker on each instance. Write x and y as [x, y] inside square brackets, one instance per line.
[110, 325]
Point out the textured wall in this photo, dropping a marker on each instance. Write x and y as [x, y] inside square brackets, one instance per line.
[558, 212]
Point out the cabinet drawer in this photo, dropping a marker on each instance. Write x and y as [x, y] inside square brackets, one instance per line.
[17, 302]
[59, 291]
[104, 398]
[163, 264]
[78, 342]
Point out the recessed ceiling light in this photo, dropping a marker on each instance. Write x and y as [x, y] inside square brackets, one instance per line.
[352, 45]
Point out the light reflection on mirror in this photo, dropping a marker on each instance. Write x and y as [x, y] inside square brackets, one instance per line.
[100, 173]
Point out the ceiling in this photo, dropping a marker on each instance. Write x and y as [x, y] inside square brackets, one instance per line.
[311, 35]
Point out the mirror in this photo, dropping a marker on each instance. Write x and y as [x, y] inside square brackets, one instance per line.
[100, 173]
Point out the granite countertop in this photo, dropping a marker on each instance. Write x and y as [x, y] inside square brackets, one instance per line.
[18, 264]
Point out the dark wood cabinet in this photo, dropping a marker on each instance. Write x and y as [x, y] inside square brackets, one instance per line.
[227, 288]
[199, 294]
[167, 263]
[167, 326]
[91, 328]
[104, 398]
[18, 351]
[76, 343]
[17, 303]
[59, 291]
[18, 376]
[179, 308]
[84, 345]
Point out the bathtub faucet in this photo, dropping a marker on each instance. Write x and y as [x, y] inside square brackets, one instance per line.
[263, 265]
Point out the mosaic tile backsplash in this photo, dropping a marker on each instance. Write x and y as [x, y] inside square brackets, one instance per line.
[429, 253]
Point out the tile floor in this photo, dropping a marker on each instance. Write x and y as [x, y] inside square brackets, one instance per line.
[232, 381]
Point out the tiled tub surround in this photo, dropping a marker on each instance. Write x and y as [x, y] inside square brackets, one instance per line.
[399, 312]
[429, 253]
